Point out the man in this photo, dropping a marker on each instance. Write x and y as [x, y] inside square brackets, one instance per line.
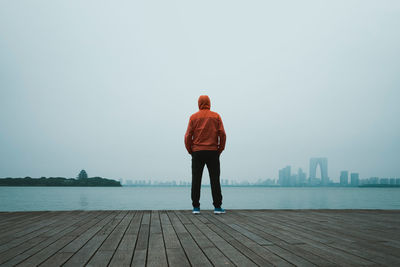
[205, 140]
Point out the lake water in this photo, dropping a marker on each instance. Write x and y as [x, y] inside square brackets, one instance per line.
[156, 198]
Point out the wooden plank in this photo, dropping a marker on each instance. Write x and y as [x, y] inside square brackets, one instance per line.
[358, 225]
[194, 254]
[231, 253]
[140, 254]
[170, 237]
[245, 244]
[200, 238]
[266, 228]
[177, 257]
[139, 257]
[81, 237]
[248, 225]
[20, 217]
[57, 259]
[124, 253]
[21, 228]
[83, 255]
[376, 253]
[40, 252]
[156, 253]
[175, 254]
[105, 252]
[210, 250]
[318, 259]
[333, 255]
[320, 249]
[18, 220]
[5, 217]
[260, 250]
[30, 241]
[37, 228]
[321, 232]
[178, 238]
[288, 225]
[289, 256]
[240, 247]
[347, 247]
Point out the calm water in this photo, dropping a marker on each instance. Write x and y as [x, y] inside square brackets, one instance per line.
[145, 198]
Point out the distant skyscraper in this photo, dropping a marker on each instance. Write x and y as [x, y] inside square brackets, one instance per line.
[384, 181]
[374, 180]
[344, 178]
[301, 176]
[323, 165]
[284, 176]
[354, 177]
[293, 179]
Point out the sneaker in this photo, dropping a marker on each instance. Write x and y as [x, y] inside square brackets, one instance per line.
[196, 211]
[219, 211]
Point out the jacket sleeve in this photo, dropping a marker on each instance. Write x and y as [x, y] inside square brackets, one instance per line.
[189, 137]
[221, 135]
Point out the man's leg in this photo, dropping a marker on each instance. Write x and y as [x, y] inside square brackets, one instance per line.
[213, 167]
[197, 172]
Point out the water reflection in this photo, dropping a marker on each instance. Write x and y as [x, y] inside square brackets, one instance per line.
[83, 201]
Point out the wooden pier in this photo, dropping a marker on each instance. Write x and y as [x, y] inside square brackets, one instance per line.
[178, 238]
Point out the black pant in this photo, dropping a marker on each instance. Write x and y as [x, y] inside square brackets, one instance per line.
[211, 159]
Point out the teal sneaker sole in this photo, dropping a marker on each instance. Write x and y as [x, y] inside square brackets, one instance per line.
[219, 212]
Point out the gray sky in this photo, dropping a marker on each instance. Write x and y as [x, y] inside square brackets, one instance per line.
[109, 86]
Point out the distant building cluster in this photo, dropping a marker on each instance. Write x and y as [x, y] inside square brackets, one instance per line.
[224, 182]
[382, 181]
[356, 181]
[286, 178]
[155, 183]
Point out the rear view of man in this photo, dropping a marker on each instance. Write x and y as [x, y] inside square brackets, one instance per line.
[205, 140]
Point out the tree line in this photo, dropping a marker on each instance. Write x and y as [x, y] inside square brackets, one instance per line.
[58, 181]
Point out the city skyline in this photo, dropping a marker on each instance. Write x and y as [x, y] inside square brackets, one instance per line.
[267, 182]
[285, 177]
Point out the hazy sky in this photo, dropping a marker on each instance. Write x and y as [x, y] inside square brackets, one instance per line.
[109, 86]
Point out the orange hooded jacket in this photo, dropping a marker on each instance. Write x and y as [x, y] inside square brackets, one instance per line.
[205, 130]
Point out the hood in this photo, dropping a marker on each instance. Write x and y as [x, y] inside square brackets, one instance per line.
[204, 102]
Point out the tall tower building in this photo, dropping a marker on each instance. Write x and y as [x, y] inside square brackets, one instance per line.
[284, 176]
[354, 177]
[323, 165]
[301, 176]
[344, 178]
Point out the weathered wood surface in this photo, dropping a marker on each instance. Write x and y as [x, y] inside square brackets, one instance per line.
[178, 238]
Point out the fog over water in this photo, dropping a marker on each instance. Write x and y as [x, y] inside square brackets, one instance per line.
[109, 86]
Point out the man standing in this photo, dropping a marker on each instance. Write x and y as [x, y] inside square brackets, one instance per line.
[205, 140]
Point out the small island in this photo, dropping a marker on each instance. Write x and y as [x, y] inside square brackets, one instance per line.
[81, 180]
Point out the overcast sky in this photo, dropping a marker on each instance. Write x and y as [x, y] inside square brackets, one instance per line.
[108, 86]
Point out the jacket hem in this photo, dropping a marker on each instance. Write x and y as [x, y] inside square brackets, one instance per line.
[198, 148]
